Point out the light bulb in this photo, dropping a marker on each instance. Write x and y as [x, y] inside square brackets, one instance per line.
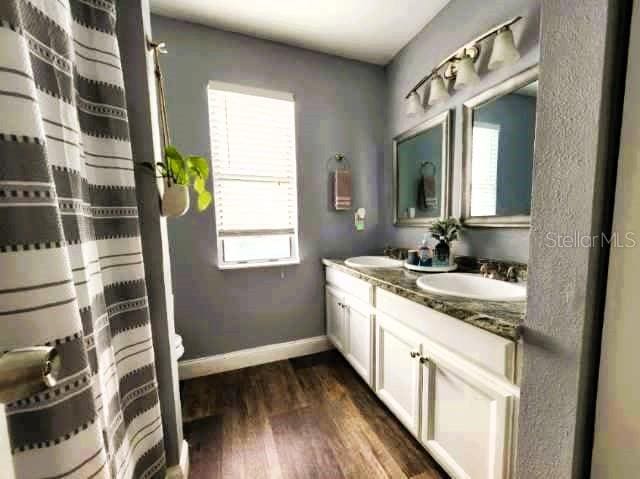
[414, 104]
[504, 50]
[438, 90]
[466, 75]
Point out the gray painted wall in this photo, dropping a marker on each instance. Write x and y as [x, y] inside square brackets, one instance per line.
[458, 22]
[340, 107]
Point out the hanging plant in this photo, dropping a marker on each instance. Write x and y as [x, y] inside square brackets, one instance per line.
[179, 174]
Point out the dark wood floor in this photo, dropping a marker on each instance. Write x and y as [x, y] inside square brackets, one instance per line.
[310, 417]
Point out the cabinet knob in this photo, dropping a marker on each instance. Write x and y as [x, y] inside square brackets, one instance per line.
[424, 360]
[414, 354]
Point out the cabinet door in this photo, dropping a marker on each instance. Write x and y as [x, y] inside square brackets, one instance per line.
[360, 338]
[398, 370]
[466, 417]
[336, 319]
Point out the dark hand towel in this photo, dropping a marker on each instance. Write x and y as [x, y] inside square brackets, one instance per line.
[427, 192]
[342, 189]
[430, 194]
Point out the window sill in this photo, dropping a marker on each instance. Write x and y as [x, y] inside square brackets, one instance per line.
[263, 264]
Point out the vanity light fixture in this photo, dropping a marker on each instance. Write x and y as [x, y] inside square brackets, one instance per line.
[414, 104]
[459, 66]
[466, 73]
[438, 91]
[504, 50]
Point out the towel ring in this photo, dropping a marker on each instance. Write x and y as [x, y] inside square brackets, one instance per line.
[341, 161]
[425, 164]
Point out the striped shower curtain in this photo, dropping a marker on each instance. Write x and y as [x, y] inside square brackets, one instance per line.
[71, 270]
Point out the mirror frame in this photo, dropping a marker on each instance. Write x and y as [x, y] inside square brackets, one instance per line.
[443, 119]
[508, 86]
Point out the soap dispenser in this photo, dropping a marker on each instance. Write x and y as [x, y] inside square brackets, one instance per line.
[359, 217]
[424, 252]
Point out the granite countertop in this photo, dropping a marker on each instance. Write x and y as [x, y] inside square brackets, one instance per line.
[499, 317]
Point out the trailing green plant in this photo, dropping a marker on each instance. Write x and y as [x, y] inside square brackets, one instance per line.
[447, 229]
[189, 171]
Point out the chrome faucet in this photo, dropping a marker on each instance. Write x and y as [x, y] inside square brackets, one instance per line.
[496, 271]
[512, 274]
[491, 271]
[23, 373]
[396, 253]
[27, 371]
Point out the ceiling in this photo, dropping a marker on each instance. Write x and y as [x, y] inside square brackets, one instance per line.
[368, 30]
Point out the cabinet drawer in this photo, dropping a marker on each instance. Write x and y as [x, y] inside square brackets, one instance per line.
[354, 286]
[488, 350]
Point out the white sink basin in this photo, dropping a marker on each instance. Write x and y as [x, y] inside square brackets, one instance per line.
[472, 286]
[373, 262]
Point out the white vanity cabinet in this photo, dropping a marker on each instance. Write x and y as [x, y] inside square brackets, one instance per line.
[359, 350]
[450, 383]
[350, 321]
[466, 416]
[397, 384]
[336, 318]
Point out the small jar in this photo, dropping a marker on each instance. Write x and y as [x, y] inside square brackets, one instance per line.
[412, 257]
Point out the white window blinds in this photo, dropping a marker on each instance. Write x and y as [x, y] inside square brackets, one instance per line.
[254, 175]
[484, 174]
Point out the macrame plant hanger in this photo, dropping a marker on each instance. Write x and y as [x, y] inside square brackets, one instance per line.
[159, 48]
[179, 174]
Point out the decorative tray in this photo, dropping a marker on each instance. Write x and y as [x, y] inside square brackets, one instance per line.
[430, 269]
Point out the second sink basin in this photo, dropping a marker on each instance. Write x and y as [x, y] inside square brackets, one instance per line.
[472, 286]
[373, 262]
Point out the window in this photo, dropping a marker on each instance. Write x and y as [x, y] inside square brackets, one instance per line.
[254, 176]
[484, 174]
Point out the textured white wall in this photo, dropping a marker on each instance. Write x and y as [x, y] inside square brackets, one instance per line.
[574, 154]
[617, 435]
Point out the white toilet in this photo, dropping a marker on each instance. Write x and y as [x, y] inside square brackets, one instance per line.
[177, 344]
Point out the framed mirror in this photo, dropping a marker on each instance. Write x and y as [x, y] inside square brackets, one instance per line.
[499, 131]
[421, 158]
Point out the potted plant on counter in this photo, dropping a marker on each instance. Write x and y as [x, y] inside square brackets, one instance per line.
[179, 173]
[446, 231]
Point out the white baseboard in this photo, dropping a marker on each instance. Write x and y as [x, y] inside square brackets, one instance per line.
[180, 471]
[193, 368]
